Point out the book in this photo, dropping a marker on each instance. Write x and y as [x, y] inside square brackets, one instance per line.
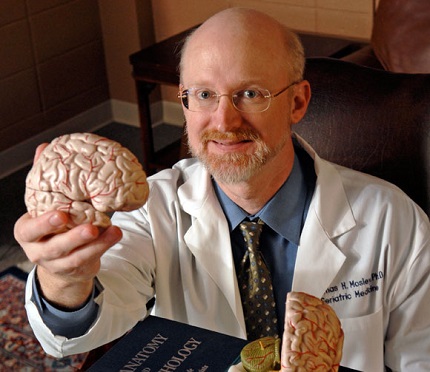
[161, 345]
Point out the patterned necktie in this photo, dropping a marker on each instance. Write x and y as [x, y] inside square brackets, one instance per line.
[255, 286]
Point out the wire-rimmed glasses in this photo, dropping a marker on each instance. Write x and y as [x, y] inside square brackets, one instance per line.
[245, 100]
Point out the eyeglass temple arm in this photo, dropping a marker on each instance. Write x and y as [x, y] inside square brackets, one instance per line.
[283, 90]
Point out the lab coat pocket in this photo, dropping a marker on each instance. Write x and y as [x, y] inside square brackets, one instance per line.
[363, 348]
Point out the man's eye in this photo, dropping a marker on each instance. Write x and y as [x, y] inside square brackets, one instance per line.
[250, 93]
[204, 94]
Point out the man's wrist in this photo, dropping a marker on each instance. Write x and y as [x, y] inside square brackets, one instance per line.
[67, 322]
[61, 293]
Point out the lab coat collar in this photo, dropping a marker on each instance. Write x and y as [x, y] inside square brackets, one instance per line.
[330, 201]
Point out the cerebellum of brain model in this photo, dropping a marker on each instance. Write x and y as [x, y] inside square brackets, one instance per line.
[86, 176]
[313, 337]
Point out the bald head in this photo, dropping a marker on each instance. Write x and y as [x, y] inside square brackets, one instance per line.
[252, 32]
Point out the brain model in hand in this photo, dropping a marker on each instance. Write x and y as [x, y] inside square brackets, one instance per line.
[86, 176]
[313, 337]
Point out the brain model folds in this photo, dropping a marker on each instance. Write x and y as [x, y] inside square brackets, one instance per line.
[313, 337]
[86, 176]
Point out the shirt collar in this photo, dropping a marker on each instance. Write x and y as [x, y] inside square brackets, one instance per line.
[283, 212]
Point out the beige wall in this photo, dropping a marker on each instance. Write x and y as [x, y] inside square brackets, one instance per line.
[120, 38]
[60, 58]
[127, 27]
[51, 64]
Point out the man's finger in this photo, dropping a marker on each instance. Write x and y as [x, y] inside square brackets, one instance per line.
[28, 229]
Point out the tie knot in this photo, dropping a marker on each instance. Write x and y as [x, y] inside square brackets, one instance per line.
[251, 233]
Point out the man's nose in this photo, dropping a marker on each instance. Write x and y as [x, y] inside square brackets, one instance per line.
[226, 115]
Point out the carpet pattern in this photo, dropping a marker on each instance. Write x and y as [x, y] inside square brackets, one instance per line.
[19, 349]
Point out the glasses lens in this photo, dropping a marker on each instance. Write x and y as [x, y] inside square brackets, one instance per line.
[251, 100]
[201, 99]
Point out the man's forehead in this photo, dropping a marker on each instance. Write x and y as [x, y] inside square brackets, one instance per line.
[209, 46]
[239, 26]
[240, 20]
[247, 60]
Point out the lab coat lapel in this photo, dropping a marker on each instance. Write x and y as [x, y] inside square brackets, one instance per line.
[318, 258]
[208, 237]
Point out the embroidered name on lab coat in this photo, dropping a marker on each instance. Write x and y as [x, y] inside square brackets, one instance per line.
[356, 288]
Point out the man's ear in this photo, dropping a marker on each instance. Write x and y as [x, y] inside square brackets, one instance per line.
[301, 98]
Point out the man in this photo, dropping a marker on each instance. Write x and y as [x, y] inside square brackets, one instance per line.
[353, 240]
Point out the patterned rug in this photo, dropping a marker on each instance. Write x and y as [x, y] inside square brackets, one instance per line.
[19, 349]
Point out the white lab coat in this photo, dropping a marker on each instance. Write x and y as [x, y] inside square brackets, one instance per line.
[365, 249]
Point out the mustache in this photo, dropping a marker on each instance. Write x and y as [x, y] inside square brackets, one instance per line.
[234, 135]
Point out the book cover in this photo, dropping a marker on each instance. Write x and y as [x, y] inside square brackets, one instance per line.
[160, 345]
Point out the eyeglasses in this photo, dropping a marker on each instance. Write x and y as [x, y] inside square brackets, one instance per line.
[244, 100]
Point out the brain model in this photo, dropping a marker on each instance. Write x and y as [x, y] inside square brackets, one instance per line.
[313, 337]
[312, 340]
[86, 176]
